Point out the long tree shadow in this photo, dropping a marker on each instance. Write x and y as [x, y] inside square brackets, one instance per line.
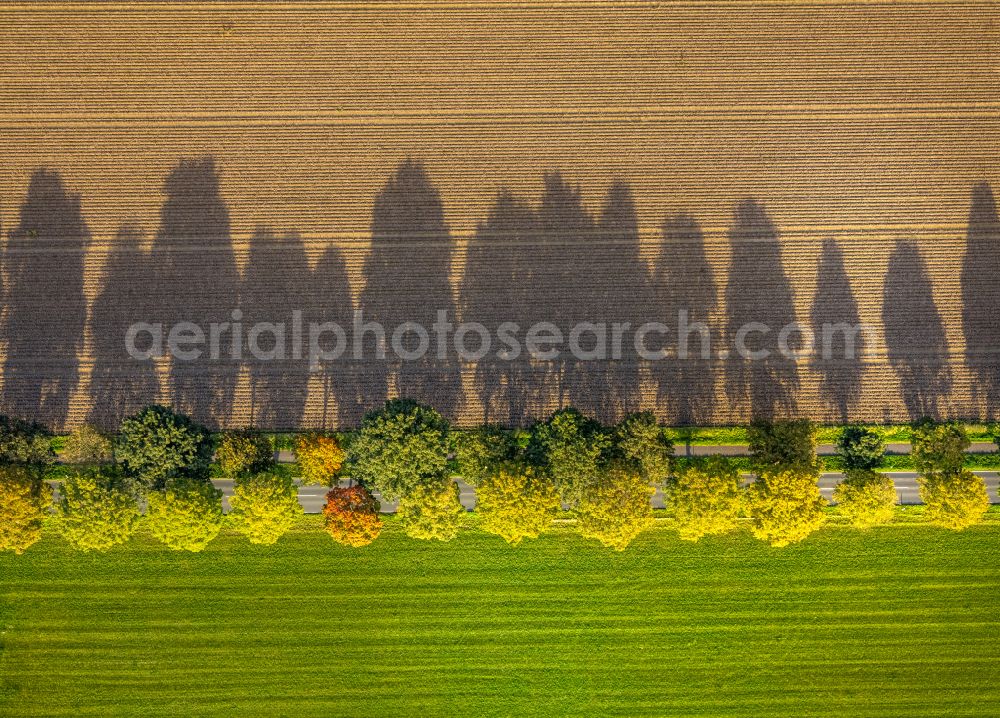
[499, 273]
[759, 304]
[407, 280]
[836, 324]
[275, 286]
[46, 307]
[563, 285]
[121, 384]
[981, 298]
[198, 282]
[914, 334]
[341, 376]
[611, 285]
[686, 384]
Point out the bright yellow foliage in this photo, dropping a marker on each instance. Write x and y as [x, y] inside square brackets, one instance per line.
[616, 507]
[955, 500]
[515, 504]
[186, 515]
[319, 458]
[24, 502]
[96, 512]
[785, 506]
[431, 511]
[866, 498]
[704, 499]
[264, 507]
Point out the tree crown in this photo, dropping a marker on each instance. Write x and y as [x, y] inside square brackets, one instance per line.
[861, 447]
[400, 447]
[157, 444]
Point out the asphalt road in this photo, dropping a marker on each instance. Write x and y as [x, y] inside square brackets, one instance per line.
[312, 497]
[977, 447]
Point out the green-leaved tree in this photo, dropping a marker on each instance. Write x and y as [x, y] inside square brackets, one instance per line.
[244, 453]
[157, 444]
[400, 448]
[570, 448]
[779, 445]
[641, 442]
[23, 442]
[939, 447]
[480, 452]
[861, 448]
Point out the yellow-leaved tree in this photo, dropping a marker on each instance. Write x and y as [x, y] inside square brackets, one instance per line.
[785, 505]
[24, 502]
[319, 457]
[615, 507]
[516, 503]
[867, 498]
[264, 507]
[186, 515]
[955, 500]
[97, 510]
[431, 511]
[705, 498]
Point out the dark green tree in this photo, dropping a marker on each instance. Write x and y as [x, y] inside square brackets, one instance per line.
[570, 448]
[781, 445]
[640, 442]
[939, 447]
[24, 442]
[157, 444]
[400, 447]
[480, 452]
[242, 453]
[861, 447]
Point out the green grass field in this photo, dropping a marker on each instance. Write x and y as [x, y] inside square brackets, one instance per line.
[902, 621]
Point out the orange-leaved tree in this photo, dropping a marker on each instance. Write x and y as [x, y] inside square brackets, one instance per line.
[352, 516]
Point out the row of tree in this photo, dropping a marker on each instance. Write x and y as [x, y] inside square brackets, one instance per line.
[606, 476]
[555, 261]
